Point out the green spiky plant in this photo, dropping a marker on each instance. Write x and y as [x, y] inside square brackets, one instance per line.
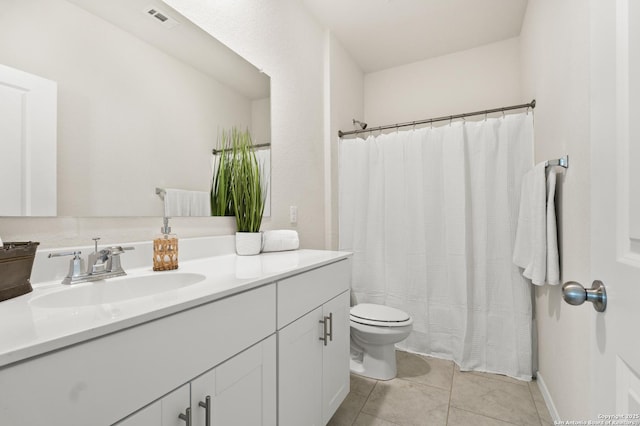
[221, 197]
[248, 194]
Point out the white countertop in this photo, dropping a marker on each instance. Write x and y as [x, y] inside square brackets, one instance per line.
[28, 329]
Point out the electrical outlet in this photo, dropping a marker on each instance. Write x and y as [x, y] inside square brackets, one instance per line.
[293, 214]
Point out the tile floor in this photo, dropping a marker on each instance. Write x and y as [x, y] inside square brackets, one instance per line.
[430, 391]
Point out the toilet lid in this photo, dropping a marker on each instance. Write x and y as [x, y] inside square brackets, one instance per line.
[368, 313]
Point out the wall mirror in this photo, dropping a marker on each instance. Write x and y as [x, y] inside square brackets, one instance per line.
[142, 95]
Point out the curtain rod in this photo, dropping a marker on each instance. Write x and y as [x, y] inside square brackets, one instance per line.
[257, 146]
[531, 105]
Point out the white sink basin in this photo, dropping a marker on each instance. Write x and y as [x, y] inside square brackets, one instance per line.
[116, 290]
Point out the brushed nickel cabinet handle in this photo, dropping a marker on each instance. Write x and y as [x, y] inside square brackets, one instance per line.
[325, 332]
[207, 407]
[186, 416]
[330, 317]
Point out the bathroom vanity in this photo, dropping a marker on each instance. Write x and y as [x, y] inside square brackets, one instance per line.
[260, 340]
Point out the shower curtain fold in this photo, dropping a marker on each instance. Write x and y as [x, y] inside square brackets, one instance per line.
[430, 215]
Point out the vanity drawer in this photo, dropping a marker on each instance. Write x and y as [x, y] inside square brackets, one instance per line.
[305, 292]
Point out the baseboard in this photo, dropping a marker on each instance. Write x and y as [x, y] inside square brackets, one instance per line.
[547, 398]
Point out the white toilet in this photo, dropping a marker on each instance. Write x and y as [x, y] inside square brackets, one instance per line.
[375, 329]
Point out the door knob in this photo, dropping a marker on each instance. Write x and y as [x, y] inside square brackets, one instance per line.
[574, 294]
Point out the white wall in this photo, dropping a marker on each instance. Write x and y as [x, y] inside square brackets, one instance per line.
[281, 38]
[346, 102]
[476, 79]
[555, 63]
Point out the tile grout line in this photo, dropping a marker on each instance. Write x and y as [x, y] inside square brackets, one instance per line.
[365, 402]
[453, 376]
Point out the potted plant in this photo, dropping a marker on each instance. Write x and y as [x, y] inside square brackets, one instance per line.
[247, 193]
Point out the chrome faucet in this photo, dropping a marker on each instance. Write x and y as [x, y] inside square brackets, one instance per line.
[102, 264]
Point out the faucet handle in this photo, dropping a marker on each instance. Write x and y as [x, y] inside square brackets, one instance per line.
[114, 260]
[116, 250]
[76, 265]
[75, 254]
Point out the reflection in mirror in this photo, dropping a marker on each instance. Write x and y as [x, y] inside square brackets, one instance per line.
[27, 144]
[143, 94]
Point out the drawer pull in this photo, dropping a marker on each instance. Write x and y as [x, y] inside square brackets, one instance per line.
[207, 407]
[331, 326]
[186, 416]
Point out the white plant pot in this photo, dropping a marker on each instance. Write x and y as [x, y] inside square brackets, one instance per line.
[248, 243]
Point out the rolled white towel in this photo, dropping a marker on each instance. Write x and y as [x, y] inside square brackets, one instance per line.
[280, 240]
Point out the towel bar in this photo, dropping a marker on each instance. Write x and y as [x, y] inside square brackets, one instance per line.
[562, 162]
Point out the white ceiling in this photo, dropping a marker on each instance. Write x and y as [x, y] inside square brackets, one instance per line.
[381, 34]
[185, 41]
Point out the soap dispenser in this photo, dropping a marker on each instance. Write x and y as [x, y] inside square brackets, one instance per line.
[165, 249]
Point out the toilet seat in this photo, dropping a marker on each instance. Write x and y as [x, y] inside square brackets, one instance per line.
[379, 315]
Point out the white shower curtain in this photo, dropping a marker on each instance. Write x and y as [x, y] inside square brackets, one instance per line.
[430, 215]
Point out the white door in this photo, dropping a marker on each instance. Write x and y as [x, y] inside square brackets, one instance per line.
[615, 209]
[28, 126]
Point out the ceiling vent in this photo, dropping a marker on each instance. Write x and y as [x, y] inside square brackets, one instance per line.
[161, 16]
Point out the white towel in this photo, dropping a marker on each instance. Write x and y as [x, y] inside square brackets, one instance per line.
[536, 245]
[180, 202]
[280, 240]
[553, 258]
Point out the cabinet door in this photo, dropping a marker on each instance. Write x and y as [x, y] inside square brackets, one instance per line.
[335, 356]
[163, 412]
[241, 391]
[300, 371]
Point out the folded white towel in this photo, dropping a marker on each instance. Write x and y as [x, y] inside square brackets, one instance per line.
[536, 246]
[280, 240]
[180, 202]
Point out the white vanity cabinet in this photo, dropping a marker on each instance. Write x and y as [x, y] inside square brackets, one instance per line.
[101, 381]
[162, 412]
[240, 391]
[248, 348]
[313, 344]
